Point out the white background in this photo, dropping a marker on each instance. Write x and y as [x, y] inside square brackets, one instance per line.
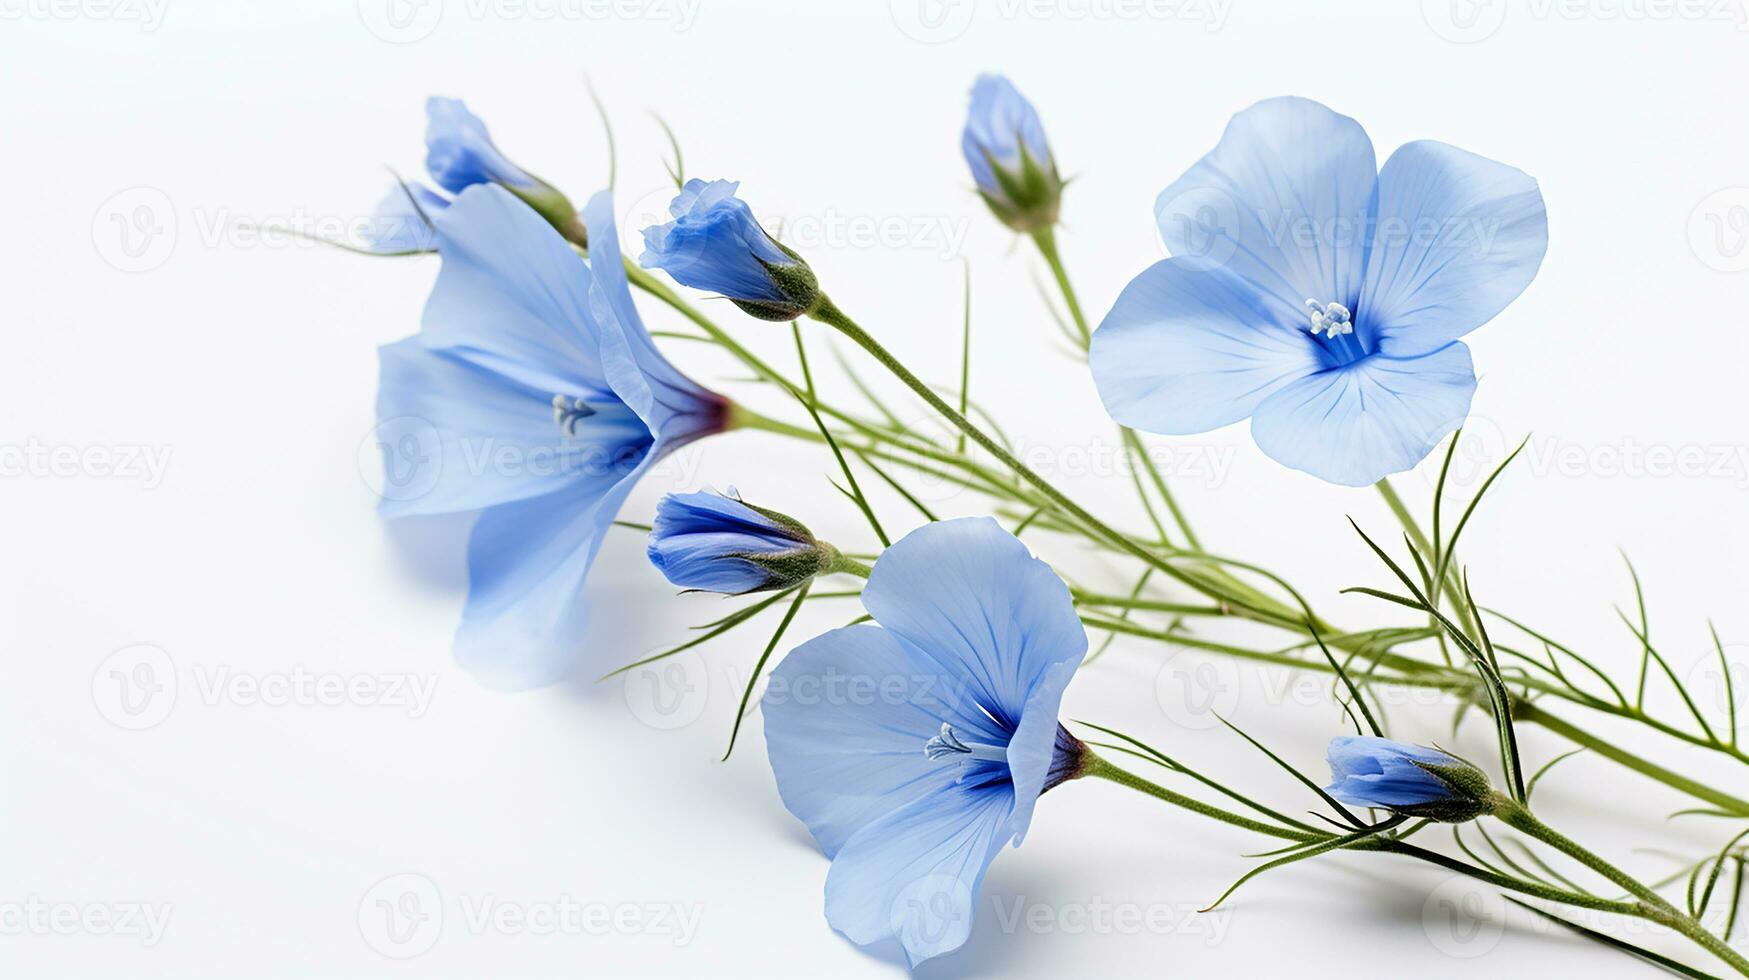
[268, 830]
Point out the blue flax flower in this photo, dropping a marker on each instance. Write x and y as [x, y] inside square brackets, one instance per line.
[534, 395]
[714, 243]
[1408, 779]
[1004, 145]
[715, 543]
[1318, 295]
[915, 749]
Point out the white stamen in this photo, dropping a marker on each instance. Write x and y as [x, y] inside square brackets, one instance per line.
[567, 412]
[1331, 319]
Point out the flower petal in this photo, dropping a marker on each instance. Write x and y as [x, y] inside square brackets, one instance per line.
[846, 718]
[1188, 349]
[1283, 200]
[512, 296]
[1357, 424]
[457, 437]
[969, 595]
[670, 402]
[915, 874]
[524, 620]
[1457, 237]
[401, 224]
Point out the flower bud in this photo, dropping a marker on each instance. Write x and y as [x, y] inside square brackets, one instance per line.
[717, 543]
[1411, 780]
[459, 153]
[1004, 144]
[714, 243]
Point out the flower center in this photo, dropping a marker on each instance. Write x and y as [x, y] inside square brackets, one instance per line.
[1331, 319]
[948, 745]
[568, 412]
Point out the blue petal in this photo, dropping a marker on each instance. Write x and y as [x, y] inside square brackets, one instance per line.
[969, 596]
[915, 874]
[479, 438]
[846, 718]
[512, 296]
[458, 151]
[1371, 771]
[1188, 349]
[1458, 237]
[1284, 200]
[673, 405]
[402, 222]
[1000, 122]
[524, 621]
[715, 243]
[1357, 424]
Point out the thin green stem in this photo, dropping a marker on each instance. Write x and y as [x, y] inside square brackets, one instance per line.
[1657, 908]
[830, 314]
[1046, 238]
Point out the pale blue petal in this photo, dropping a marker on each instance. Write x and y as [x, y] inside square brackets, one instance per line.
[847, 715]
[999, 124]
[479, 438]
[969, 595]
[512, 296]
[1371, 771]
[1188, 349]
[1458, 237]
[1356, 425]
[672, 404]
[459, 153]
[916, 873]
[1283, 200]
[524, 621]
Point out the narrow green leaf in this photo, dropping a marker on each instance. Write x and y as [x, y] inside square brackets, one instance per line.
[753, 678]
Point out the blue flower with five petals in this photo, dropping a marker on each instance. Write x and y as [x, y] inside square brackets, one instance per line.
[915, 749]
[1318, 295]
[534, 395]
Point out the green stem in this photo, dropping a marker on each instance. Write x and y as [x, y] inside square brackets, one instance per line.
[830, 314]
[1413, 528]
[1529, 711]
[1657, 909]
[1094, 765]
[1046, 237]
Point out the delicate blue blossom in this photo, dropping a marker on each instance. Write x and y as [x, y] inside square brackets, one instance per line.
[714, 243]
[916, 748]
[1408, 779]
[534, 395]
[715, 543]
[1004, 145]
[1320, 296]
